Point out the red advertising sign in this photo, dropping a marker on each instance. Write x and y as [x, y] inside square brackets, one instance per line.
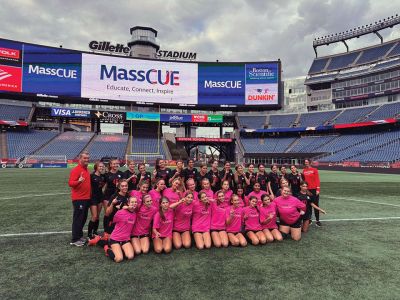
[184, 139]
[10, 79]
[395, 165]
[199, 118]
[355, 164]
[9, 53]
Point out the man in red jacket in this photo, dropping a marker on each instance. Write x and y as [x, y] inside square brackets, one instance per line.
[79, 181]
[311, 176]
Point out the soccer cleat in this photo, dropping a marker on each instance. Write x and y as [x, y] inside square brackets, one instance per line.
[318, 223]
[94, 240]
[310, 221]
[105, 236]
[106, 249]
[77, 243]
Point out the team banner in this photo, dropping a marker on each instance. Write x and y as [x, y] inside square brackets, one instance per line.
[130, 79]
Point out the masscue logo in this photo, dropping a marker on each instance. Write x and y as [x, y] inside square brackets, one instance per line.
[56, 72]
[228, 84]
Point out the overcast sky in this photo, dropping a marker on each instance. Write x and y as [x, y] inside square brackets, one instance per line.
[235, 30]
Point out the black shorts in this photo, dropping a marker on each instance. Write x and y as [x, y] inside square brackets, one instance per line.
[111, 242]
[297, 224]
[179, 231]
[254, 231]
[95, 201]
[308, 214]
[140, 236]
[200, 231]
[217, 230]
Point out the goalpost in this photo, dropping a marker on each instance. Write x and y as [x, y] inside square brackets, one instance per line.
[44, 159]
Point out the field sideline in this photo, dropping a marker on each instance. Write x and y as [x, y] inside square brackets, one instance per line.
[354, 255]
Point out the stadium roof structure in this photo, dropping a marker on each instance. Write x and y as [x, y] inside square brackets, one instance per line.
[356, 33]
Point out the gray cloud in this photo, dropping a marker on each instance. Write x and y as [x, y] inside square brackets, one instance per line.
[235, 30]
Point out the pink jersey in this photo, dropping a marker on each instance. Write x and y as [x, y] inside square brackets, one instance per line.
[265, 212]
[201, 220]
[218, 215]
[138, 195]
[236, 222]
[251, 217]
[171, 195]
[155, 196]
[144, 217]
[183, 215]
[124, 221]
[242, 201]
[289, 209]
[258, 195]
[228, 194]
[164, 227]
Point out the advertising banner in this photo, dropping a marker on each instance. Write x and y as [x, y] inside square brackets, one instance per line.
[218, 140]
[262, 84]
[221, 84]
[129, 79]
[52, 71]
[176, 118]
[109, 116]
[10, 66]
[70, 112]
[143, 116]
[215, 118]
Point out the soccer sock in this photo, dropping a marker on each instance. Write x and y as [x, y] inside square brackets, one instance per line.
[316, 212]
[90, 229]
[110, 254]
[102, 243]
[96, 226]
[106, 220]
[285, 235]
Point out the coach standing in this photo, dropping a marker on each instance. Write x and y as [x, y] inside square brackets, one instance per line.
[311, 176]
[79, 181]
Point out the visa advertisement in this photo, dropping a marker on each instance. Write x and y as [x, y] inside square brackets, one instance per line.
[57, 72]
[51, 71]
[70, 112]
[130, 79]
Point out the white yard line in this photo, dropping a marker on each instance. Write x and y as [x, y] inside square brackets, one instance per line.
[30, 196]
[364, 201]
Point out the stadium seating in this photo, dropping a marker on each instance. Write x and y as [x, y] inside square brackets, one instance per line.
[310, 144]
[352, 115]
[316, 119]
[68, 143]
[374, 54]
[386, 153]
[267, 145]
[14, 112]
[395, 51]
[108, 145]
[253, 122]
[342, 61]
[279, 121]
[384, 112]
[24, 143]
[318, 65]
[145, 141]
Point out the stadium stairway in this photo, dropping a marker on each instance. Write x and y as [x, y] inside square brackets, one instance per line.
[44, 145]
[166, 149]
[31, 113]
[333, 120]
[296, 122]
[4, 146]
[128, 146]
[366, 116]
[88, 143]
[266, 123]
[294, 143]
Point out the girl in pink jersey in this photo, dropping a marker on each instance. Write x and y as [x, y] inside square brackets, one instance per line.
[206, 188]
[258, 193]
[218, 223]
[156, 193]
[234, 220]
[268, 220]
[201, 222]
[119, 242]
[173, 194]
[162, 227]
[290, 210]
[251, 217]
[191, 187]
[183, 215]
[242, 197]
[140, 236]
[225, 188]
[143, 188]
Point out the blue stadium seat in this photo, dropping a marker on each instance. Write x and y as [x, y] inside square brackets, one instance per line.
[21, 144]
[108, 145]
[14, 112]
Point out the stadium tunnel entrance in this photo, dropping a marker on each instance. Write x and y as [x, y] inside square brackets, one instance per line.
[223, 150]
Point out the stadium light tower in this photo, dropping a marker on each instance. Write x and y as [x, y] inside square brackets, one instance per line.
[356, 33]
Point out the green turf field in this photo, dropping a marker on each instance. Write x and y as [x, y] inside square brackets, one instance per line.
[355, 255]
